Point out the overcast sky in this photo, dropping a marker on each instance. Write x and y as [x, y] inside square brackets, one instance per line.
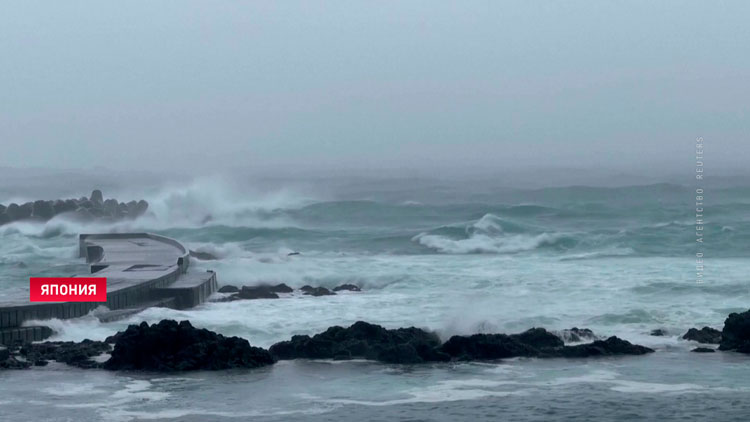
[430, 85]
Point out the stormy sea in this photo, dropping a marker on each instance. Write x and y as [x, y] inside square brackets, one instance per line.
[454, 258]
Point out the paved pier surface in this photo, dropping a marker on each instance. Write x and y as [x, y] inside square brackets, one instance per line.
[142, 270]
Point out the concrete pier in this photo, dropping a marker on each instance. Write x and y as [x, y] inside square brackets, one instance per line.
[142, 270]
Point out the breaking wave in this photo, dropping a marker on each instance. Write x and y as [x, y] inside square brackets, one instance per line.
[494, 235]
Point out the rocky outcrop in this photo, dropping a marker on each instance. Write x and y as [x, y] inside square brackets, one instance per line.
[364, 341]
[612, 346]
[705, 335]
[658, 332]
[228, 289]
[736, 333]
[21, 356]
[536, 342]
[703, 350]
[83, 209]
[256, 292]
[172, 346]
[69, 352]
[413, 345]
[316, 291]
[267, 291]
[577, 335]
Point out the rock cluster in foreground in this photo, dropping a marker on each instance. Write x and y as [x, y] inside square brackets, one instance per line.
[736, 333]
[78, 354]
[413, 345]
[172, 346]
[83, 209]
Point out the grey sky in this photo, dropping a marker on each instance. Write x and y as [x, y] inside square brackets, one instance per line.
[282, 85]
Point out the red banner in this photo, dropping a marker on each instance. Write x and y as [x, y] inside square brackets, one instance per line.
[68, 289]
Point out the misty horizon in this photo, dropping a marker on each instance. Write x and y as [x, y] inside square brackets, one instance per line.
[421, 88]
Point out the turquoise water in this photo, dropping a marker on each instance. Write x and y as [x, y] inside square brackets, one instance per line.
[456, 259]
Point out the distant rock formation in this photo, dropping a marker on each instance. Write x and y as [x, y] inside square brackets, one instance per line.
[83, 209]
[267, 291]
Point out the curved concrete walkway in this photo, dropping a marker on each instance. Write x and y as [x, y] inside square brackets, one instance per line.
[142, 270]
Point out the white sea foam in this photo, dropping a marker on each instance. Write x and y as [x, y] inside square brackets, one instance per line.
[482, 243]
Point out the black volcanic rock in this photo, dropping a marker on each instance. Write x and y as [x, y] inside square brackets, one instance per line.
[703, 350]
[69, 352]
[318, 291]
[705, 335]
[256, 292]
[365, 341]
[172, 346]
[486, 347]
[612, 346]
[281, 288]
[539, 338]
[658, 333]
[349, 287]
[413, 345]
[736, 333]
[228, 289]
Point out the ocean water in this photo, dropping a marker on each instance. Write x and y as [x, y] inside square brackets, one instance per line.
[454, 258]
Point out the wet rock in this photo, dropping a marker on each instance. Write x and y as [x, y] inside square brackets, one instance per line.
[736, 333]
[703, 350]
[658, 332]
[2, 208]
[281, 288]
[293, 254]
[577, 335]
[349, 287]
[172, 346]
[4, 353]
[4, 219]
[412, 345]
[256, 292]
[612, 346]
[539, 338]
[12, 363]
[364, 341]
[705, 335]
[68, 352]
[228, 289]
[318, 291]
[306, 288]
[486, 347]
[203, 256]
